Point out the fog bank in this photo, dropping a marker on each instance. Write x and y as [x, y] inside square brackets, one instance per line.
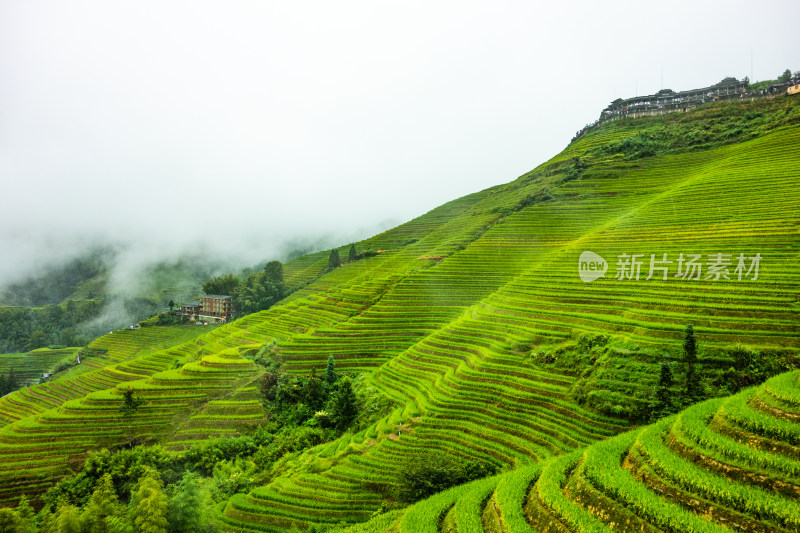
[225, 131]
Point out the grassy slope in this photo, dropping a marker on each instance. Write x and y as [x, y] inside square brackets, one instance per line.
[446, 324]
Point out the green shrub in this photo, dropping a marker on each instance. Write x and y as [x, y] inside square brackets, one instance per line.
[435, 472]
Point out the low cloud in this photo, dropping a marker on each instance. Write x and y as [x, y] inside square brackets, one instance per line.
[224, 134]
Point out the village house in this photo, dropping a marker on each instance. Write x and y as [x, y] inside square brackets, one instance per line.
[191, 309]
[218, 306]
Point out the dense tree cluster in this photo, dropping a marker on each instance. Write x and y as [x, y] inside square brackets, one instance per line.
[34, 313]
[667, 400]
[8, 382]
[23, 329]
[693, 384]
[224, 284]
[435, 472]
[665, 405]
[327, 402]
[165, 319]
[149, 507]
[142, 489]
[668, 379]
[155, 490]
[130, 403]
[693, 387]
[254, 292]
[334, 259]
[751, 367]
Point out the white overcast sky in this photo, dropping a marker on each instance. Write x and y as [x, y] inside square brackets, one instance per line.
[242, 124]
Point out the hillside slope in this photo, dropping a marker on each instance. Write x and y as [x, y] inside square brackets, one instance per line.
[454, 336]
[463, 317]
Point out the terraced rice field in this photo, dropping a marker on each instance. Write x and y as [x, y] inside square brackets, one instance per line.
[50, 427]
[464, 387]
[29, 367]
[176, 409]
[444, 320]
[97, 370]
[456, 367]
[728, 464]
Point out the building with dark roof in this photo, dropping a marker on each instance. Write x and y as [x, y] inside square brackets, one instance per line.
[191, 308]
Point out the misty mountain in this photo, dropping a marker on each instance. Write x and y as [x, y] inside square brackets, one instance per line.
[57, 283]
[71, 300]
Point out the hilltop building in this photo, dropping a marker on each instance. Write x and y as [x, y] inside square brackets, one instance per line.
[667, 100]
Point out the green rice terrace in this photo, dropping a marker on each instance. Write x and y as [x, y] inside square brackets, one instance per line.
[30, 366]
[728, 464]
[474, 326]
